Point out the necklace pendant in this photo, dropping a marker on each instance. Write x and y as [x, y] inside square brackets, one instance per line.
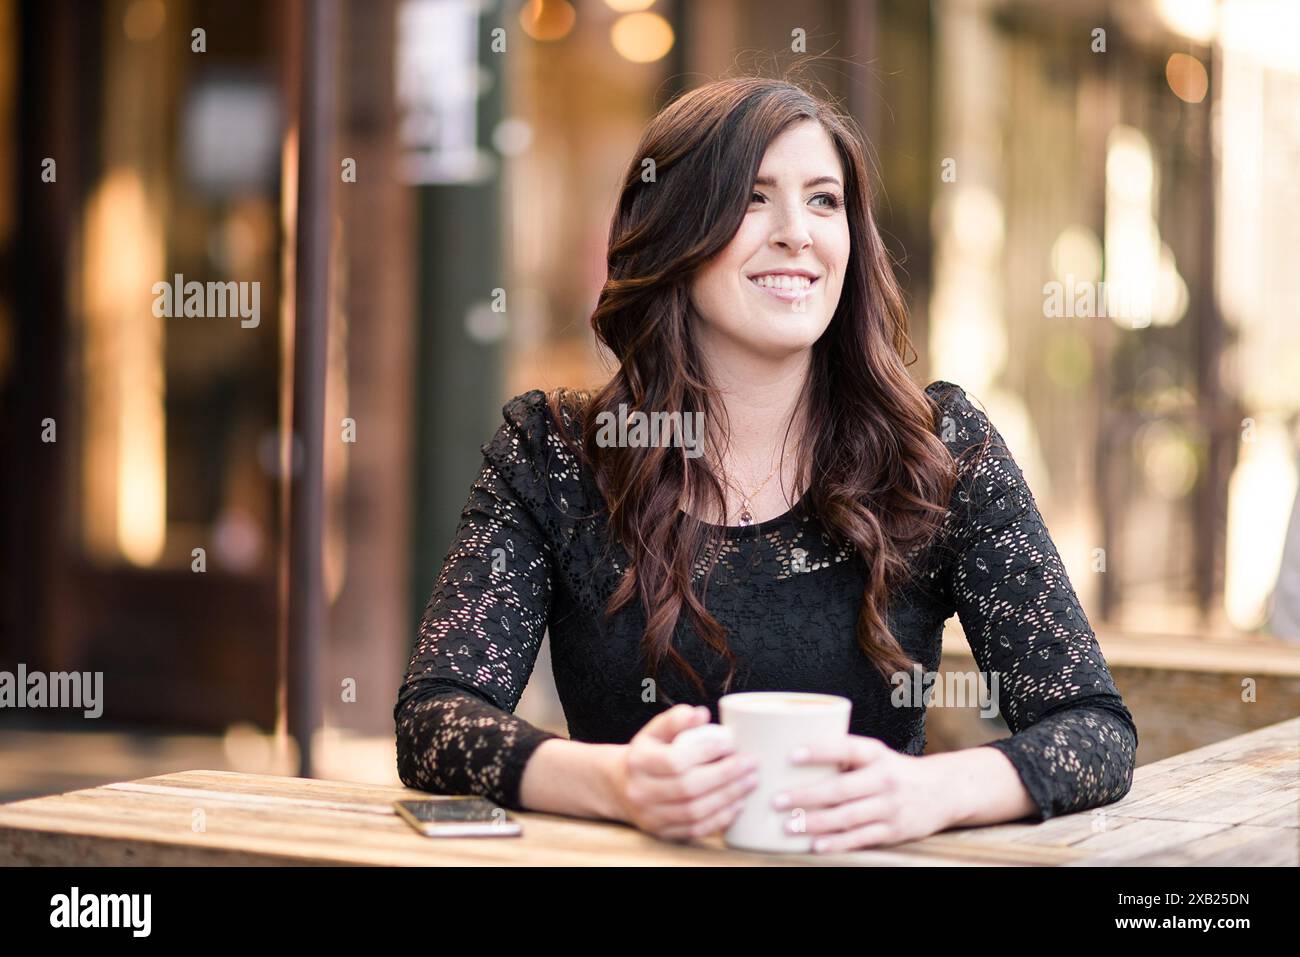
[746, 516]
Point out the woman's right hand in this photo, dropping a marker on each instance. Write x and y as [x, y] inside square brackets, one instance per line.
[679, 793]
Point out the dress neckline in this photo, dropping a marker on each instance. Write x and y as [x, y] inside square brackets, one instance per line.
[739, 531]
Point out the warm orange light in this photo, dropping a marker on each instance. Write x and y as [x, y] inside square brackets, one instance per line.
[125, 478]
[1187, 77]
[641, 37]
[547, 20]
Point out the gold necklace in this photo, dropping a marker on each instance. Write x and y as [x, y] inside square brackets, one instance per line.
[746, 508]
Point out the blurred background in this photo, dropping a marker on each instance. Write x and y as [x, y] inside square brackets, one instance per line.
[237, 519]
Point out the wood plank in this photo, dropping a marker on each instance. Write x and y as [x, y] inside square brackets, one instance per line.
[1285, 816]
[1251, 778]
[152, 822]
[1066, 831]
[222, 785]
[204, 794]
[158, 823]
[1139, 838]
[160, 827]
[1232, 802]
[1239, 846]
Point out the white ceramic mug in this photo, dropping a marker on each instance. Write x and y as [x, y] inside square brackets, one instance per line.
[768, 725]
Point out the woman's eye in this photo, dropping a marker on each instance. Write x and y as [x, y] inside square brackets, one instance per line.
[830, 200]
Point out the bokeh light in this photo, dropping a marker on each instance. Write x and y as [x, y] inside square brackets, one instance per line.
[547, 20]
[641, 37]
[1187, 77]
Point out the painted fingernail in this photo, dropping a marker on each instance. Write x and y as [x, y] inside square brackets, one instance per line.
[821, 845]
[781, 800]
[798, 754]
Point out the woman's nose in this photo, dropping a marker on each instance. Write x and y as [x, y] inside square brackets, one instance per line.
[792, 233]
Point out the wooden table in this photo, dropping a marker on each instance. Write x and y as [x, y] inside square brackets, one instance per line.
[1235, 803]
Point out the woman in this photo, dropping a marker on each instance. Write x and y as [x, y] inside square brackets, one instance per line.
[816, 538]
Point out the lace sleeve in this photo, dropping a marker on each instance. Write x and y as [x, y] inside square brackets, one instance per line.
[1073, 741]
[477, 645]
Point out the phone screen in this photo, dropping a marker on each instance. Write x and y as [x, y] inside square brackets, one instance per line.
[459, 816]
[456, 810]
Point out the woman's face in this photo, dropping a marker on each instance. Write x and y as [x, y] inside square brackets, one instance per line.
[796, 234]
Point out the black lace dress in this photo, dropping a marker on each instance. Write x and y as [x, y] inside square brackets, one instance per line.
[531, 553]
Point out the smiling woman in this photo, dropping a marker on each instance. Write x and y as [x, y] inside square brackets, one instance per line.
[748, 284]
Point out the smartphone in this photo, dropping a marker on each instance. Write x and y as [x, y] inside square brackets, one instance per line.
[458, 816]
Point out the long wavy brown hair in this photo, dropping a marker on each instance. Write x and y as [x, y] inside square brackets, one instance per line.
[877, 474]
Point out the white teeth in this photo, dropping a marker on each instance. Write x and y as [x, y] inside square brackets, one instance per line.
[783, 282]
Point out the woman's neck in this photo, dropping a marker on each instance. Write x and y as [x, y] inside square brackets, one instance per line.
[761, 400]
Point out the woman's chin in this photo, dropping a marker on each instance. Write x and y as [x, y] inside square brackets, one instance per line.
[796, 337]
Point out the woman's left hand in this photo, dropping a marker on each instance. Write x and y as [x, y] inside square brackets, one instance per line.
[879, 797]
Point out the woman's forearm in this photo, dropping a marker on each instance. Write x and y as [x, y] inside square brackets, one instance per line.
[983, 787]
[574, 778]
[584, 780]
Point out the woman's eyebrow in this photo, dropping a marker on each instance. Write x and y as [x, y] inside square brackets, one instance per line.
[815, 181]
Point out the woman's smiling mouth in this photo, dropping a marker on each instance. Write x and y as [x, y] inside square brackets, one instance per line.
[788, 287]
